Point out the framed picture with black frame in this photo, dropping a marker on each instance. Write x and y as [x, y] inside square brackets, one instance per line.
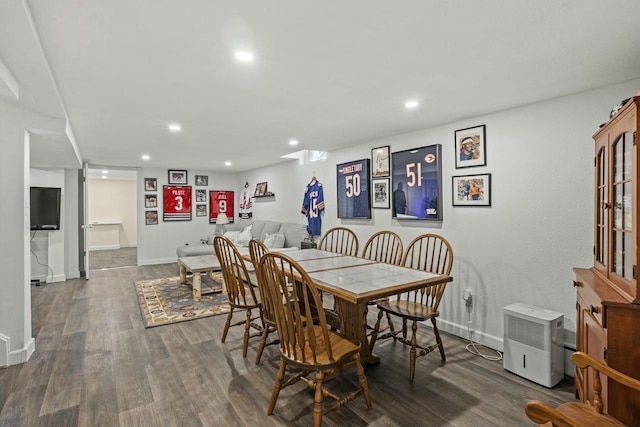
[178, 177]
[471, 147]
[354, 200]
[417, 184]
[471, 190]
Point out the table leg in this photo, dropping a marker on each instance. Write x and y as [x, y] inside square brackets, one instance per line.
[354, 319]
[183, 274]
[197, 286]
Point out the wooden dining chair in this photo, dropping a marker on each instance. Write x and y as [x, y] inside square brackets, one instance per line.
[574, 414]
[339, 240]
[309, 347]
[257, 249]
[240, 291]
[428, 252]
[383, 246]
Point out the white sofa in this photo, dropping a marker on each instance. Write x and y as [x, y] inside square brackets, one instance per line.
[293, 235]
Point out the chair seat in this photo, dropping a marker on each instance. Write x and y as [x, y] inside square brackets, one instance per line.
[585, 415]
[342, 348]
[408, 309]
[249, 301]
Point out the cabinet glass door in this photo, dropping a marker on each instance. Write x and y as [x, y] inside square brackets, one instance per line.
[602, 204]
[622, 203]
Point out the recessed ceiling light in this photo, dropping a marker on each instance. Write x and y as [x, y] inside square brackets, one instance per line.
[244, 56]
[175, 127]
[293, 142]
[105, 172]
[146, 157]
[227, 163]
[104, 177]
[410, 105]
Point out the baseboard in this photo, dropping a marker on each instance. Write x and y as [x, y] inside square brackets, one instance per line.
[128, 245]
[50, 279]
[157, 261]
[8, 358]
[479, 337]
[103, 248]
[73, 275]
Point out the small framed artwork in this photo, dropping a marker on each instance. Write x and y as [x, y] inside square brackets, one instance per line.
[380, 161]
[201, 196]
[472, 190]
[202, 180]
[201, 210]
[178, 177]
[150, 184]
[380, 193]
[150, 201]
[470, 147]
[261, 189]
[151, 217]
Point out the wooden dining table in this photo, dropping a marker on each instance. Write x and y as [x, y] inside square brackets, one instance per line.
[354, 281]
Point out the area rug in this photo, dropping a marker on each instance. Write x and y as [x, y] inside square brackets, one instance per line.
[165, 301]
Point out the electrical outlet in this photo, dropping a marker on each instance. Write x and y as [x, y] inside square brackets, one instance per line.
[466, 294]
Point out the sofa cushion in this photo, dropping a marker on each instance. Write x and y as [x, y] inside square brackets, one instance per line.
[256, 230]
[270, 227]
[293, 233]
[274, 241]
[194, 250]
[244, 237]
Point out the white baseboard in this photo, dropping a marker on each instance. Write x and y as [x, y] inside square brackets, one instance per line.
[128, 245]
[479, 337]
[8, 358]
[103, 248]
[51, 279]
[157, 261]
[73, 275]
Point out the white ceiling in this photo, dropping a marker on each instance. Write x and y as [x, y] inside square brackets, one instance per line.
[330, 74]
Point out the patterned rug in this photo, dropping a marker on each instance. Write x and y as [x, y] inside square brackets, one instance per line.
[165, 301]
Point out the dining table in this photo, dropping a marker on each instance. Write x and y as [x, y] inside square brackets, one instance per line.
[354, 281]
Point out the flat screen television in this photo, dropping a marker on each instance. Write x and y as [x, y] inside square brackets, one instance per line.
[45, 208]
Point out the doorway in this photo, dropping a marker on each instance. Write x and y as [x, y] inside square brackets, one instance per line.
[112, 235]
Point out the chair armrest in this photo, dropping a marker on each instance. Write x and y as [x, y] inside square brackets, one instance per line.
[541, 413]
[583, 360]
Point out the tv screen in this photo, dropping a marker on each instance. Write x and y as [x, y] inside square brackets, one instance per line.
[417, 183]
[45, 208]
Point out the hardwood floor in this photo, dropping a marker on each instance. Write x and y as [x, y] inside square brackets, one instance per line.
[96, 365]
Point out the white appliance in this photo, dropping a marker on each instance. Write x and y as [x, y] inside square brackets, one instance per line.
[533, 343]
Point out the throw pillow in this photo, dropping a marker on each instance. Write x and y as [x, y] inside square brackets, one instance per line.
[245, 237]
[274, 241]
[232, 235]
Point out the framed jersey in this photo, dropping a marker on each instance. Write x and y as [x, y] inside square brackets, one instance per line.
[417, 183]
[220, 201]
[176, 203]
[354, 189]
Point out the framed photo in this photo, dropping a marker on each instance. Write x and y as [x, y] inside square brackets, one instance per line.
[201, 196]
[150, 184]
[381, 194]
[354, 200]
[202, 180]
[472, 190]
[178, 177]
[220, 201]
[151, 217]
[261, 189]
[470, 147]
[381, 161]
[150, 201]
[201, 210]
[416, 184]
[176, 202]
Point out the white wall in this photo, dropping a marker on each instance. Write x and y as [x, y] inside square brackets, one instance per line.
[112, 205]
[158, 243]
[16, 342]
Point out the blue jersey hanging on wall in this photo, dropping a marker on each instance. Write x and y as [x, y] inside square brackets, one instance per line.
[312, 206]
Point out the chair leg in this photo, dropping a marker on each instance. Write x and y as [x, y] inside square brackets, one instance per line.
[392, 329]
[317, 406]
[374, 334]
[438, 339]
[412, 360]
[247, 326]
[276, 387]
[263, 342]
[404, 329]
[363, 379]
[227, 325]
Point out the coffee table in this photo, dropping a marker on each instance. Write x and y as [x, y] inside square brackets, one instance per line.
[197, 265]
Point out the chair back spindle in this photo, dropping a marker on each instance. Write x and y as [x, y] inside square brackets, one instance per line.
[340, 240]
[384, 246]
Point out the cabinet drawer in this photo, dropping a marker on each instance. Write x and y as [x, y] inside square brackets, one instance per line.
[590, 300]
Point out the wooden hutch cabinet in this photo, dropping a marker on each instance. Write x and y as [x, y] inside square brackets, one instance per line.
[608, 294]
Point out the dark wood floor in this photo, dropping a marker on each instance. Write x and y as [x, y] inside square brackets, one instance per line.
[96, 365]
